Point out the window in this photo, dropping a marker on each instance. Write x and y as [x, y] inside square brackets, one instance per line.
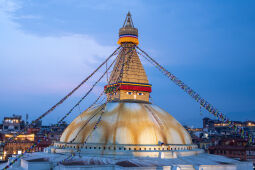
[129, 93]
[140, 94]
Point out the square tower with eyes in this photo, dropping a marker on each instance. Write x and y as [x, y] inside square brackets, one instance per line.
[131, 95]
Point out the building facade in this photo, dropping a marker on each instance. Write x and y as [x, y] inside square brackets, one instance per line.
[13, 124]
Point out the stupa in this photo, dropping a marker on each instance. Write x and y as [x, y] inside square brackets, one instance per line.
[127, 131]
[129, 123]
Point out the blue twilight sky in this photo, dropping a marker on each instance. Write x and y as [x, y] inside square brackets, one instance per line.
[47, 47]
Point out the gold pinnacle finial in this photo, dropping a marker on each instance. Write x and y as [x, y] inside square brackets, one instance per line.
[128, 33]
[128, 21]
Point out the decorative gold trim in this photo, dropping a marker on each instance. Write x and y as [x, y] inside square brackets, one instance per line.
[128, 39]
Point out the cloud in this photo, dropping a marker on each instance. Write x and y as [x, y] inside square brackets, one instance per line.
[27, 17]
[8, 6]
[43, 64]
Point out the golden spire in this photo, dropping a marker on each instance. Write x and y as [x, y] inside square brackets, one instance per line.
[128, 75]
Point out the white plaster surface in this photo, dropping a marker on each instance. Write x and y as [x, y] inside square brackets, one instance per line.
[196, 162]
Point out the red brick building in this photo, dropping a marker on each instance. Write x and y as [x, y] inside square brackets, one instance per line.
[234, 148]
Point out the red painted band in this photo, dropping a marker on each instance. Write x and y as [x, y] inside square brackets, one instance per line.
[134, 88]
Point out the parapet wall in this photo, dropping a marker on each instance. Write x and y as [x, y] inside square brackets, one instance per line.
[156, 151]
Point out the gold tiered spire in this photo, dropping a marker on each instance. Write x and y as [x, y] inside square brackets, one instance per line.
[133, 70]
[128, 77]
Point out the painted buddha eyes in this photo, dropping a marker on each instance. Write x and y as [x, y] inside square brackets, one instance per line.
[130, 93]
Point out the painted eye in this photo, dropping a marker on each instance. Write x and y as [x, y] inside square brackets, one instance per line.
[129, 93]
[140, 94]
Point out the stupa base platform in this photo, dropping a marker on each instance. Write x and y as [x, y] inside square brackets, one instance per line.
[68, 161]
